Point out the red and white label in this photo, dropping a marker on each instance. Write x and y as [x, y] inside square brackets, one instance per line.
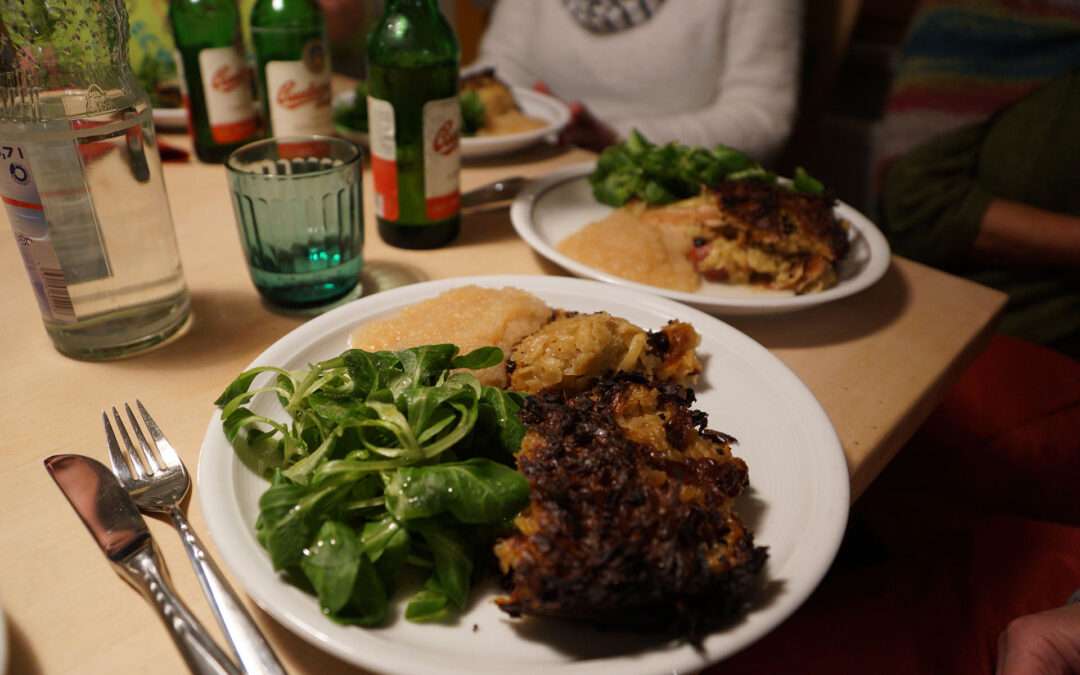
[299, 93]
[227, 91]
[382, 137]
[442, 157]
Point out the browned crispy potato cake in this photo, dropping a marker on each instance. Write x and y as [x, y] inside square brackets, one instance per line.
[570, 352]
[631, 519]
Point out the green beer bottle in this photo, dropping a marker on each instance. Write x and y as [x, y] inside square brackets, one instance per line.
[215, 78]
[414, 123]
[293, 66]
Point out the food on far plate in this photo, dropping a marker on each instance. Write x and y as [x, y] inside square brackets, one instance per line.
[354, 115]
[470, 317]
[396, 456]
[500, 113]
[759, 233]
[689, 213]
[160, 82]
[626, 246]
[630, 518]
[488, 108]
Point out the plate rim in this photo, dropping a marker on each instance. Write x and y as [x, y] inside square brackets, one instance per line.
[216, 464]
[521, 210]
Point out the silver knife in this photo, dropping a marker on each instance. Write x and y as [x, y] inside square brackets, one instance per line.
[119, 529]
[498, 191]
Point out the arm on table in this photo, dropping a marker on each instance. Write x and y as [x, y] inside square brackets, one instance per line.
[758, 85]
[1017, 234]
[935, 210]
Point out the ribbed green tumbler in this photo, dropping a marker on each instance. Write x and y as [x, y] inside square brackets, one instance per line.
[299, 211]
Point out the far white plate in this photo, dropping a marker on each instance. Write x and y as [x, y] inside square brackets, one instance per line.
[544, 107]
[173, 119]
[558, 205]
[797, 504]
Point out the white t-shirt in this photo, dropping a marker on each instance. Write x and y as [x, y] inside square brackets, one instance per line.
[700, 72]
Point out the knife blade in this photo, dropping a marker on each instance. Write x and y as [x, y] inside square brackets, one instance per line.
[120, 531]
[498, 191]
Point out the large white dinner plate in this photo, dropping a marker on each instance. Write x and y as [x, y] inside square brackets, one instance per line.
[797, 504]
[549, 109]
[558, 205]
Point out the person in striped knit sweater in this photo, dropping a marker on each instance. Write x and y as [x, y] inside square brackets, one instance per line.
[981, 155]
[963, 557]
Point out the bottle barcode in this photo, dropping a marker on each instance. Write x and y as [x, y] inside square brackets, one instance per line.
[57, 293]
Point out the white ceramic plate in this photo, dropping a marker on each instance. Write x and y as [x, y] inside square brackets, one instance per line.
[172, 119]
[797, 504]
[554, 207]
[551, 110]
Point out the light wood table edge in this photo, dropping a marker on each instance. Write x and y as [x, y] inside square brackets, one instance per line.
[912, 420]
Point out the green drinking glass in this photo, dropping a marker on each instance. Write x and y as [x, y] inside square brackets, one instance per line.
[299, 211]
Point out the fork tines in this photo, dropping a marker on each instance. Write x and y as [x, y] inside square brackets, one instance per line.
[133, 463]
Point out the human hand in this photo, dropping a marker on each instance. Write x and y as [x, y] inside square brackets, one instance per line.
[1046, 643]
[584, 130]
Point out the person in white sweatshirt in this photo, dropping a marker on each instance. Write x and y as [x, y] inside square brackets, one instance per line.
[700, 72]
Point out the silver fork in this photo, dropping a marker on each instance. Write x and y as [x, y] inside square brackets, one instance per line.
[158, 484]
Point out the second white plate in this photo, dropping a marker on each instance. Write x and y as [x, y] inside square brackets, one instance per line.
[556, 206]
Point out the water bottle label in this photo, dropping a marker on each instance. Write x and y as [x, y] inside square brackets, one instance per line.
[382, 137]
[442, 157]
[226, 82]
[27, 216]
[299, 93]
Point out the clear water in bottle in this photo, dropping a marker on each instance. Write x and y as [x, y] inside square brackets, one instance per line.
[81, 182]
[116, 286]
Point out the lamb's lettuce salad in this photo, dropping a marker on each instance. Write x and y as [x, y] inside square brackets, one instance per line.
[661, 174]
[391, 461]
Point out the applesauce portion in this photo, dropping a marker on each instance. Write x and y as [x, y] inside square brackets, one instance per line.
[623, 245]
[469, 317]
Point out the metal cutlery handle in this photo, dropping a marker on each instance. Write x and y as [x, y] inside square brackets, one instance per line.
[255, 655]
[201, 653]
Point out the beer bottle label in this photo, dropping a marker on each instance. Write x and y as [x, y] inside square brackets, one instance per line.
[227, 91]
[299, 93]
[442, 157]
[383, 140]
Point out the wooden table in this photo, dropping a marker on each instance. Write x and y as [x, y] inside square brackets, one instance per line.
[877, 362]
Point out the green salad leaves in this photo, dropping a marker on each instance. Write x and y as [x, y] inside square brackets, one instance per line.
[661, 174]
[354, 116]
[392, 460]
[473, 112]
